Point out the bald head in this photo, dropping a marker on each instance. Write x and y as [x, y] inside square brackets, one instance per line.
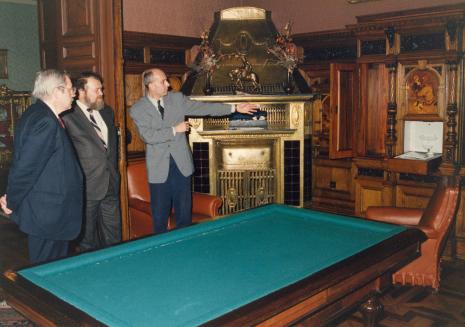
[156, 84]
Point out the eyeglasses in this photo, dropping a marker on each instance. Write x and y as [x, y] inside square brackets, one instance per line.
[64, 88]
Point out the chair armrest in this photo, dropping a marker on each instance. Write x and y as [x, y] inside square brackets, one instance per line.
[430, 232]
[206, 204]
[393, 215]
[140, 205]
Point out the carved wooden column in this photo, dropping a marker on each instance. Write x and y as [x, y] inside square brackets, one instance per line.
[450, 143]
[391, 137]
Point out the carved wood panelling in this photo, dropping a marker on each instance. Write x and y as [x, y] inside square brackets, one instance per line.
[168, 52]
[412, 196]
[133, 90]
[78, 24]
[369, 193]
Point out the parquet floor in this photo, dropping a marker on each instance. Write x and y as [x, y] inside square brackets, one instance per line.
[403, 306]
[421, 307]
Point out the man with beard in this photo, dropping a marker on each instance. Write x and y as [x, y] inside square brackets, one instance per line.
[45, 189]
[91, 127]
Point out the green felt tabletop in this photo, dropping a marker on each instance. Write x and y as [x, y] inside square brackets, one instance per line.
[193, 275]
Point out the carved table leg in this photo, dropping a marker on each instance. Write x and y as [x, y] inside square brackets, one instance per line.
[371, 310]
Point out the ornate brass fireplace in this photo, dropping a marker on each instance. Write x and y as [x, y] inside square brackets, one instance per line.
[250, 167]
[251, 162]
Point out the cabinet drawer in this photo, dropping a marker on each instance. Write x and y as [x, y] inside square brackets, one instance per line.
[333, 178]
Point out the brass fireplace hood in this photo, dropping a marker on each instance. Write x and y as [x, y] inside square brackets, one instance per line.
[244, 53]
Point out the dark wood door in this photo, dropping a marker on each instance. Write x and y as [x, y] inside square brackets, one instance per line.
[86, 35]
[83, 35]
[343, 104]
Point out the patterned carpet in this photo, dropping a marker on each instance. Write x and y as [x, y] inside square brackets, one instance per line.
[10, 318]
[421, 307]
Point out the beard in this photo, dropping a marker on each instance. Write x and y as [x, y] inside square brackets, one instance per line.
[97, 105]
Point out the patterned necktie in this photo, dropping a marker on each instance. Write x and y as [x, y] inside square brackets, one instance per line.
[161, 109]
[97, 129]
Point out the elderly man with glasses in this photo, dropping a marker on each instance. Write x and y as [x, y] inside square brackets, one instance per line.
[45, 185]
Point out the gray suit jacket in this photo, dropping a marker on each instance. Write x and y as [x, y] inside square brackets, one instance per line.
[158, 134]
[99, 165]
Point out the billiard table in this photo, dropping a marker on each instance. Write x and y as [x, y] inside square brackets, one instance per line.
[269, 266]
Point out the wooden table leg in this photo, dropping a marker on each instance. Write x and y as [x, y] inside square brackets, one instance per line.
[371, 310]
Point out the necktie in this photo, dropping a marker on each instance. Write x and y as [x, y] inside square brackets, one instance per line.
[97, 129]
[161, 109]
[62, 124]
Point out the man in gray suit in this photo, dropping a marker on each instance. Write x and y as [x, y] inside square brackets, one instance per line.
[160, 120]
[91, 127]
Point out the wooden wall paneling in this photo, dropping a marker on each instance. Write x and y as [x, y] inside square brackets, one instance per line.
[371, 192]
[332, 186]
[49, 26]
[112, 29]
[343, 103]
[79, 38]
[413, 196]
[374, 106]
[133, 90]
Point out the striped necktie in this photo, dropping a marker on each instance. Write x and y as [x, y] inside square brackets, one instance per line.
[97, 129]
[161, 109]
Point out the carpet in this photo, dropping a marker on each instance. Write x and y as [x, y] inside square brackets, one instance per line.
[10, 318]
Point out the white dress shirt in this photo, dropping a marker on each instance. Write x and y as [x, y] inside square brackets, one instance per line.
[98, 118]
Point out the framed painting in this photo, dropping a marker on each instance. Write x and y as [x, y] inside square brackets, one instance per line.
[423, 87]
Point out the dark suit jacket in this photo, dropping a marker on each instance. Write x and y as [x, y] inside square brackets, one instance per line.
[45, 184]
[99, 165]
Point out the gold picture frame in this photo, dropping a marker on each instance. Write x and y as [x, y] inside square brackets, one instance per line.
[423, 86]
[3, 63]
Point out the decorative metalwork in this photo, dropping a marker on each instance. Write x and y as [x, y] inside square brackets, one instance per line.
[276, 117]
[295, 117]
[285, 51]
[195, 122]
[244, 156]
[245, 189]
[450, 144]
[243, 52]
[243, 74]
[251, 167]
[231, 198]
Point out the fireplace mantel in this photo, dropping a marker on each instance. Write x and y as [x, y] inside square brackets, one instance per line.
[285, 178]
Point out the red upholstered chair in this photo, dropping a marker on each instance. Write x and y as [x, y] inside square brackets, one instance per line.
[435, 221]
[204, 206]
